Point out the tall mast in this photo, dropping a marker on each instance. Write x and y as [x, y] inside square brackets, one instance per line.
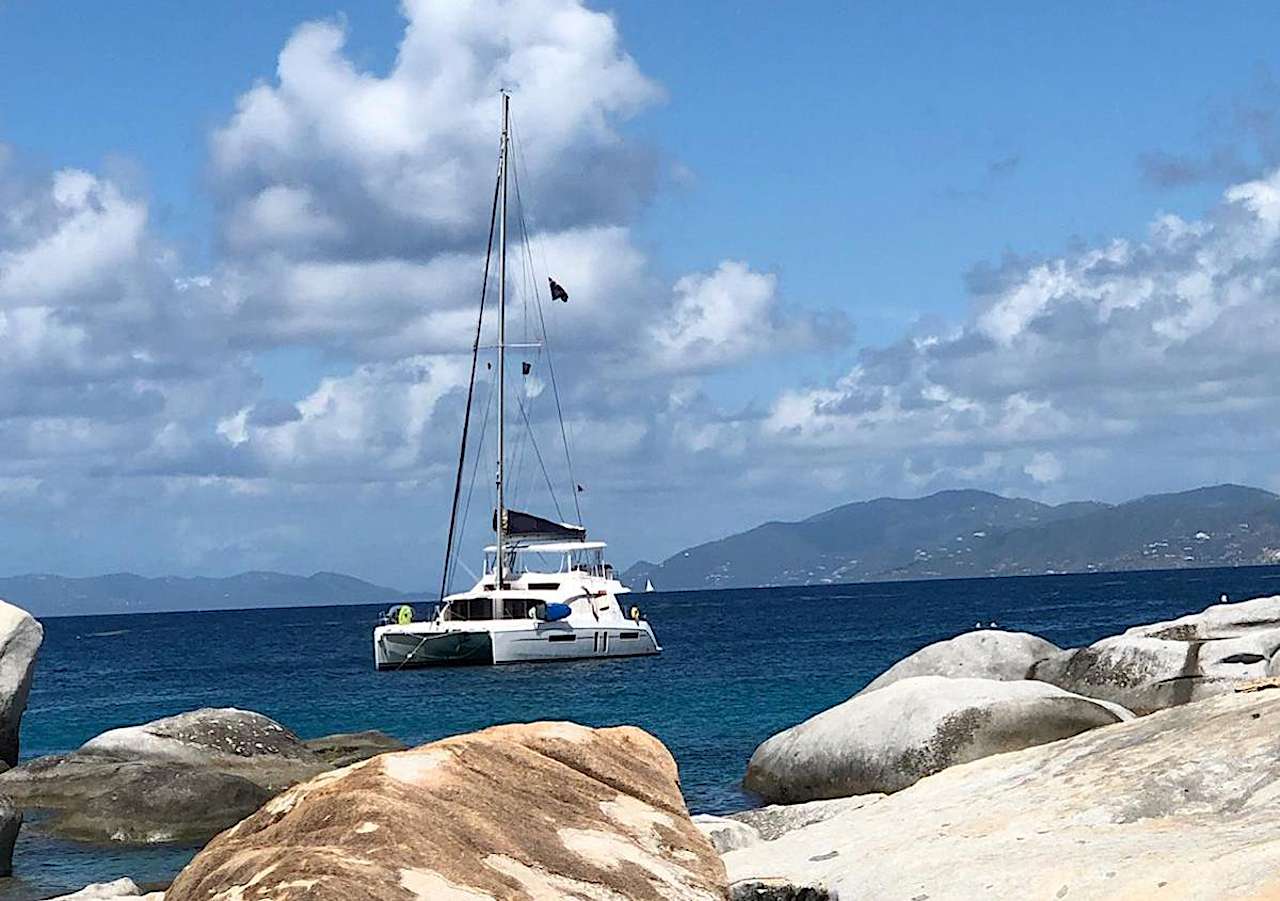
[502, 349]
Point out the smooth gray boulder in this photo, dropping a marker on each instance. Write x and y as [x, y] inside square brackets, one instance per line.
[123, 889]
[20, 639]
[745, 828]
[776, 820]
[726, 834]
[10, 824]
[100, 799]
[886, 740]
[344, 748]
[980, 654]
[182, 778]
[1166, 664]
[1180, 804]
[236, 741]
[151, 803]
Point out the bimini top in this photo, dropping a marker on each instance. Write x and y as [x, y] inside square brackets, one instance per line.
[549, 547]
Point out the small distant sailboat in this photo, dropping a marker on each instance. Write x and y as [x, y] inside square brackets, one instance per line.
[546, 592]
[648, 585]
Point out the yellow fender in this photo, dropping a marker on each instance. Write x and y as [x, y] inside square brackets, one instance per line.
[635, 614]
[404, 615]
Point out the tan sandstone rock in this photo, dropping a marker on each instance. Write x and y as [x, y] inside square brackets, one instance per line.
[1181, 804]
[545, 810]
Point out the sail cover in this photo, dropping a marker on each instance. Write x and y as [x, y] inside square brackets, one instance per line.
[527, 527]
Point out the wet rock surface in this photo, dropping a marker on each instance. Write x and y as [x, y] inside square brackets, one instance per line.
[885, 740]
[980, 654]
[544, 810]
[1178, 804]
[10, 824]
[756, 890]
[1165, 664]
[178, 779]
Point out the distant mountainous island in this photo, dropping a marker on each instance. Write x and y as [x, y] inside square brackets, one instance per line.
[951, 534]
[958, 534]
[49, 595]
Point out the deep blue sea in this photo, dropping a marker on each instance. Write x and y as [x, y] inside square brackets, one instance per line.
[737, 667]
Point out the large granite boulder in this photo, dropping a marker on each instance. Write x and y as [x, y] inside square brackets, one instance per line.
[885, 740]
[980, 654]
[1178, 804]
[1170, 663]
[20, 638]
[546, 810]
[182, 778]
[10, 823]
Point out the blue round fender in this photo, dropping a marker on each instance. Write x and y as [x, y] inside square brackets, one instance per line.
[556, 612]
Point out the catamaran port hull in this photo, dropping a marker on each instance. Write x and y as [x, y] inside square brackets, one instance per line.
[396, 650]
[402, 647]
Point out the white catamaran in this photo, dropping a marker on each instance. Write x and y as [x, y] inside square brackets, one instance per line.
[546, 592]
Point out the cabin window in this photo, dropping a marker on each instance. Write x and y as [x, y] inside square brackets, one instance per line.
[518, 608]
[562, 637]
[544, 586]
[628, 634]
[466, 609]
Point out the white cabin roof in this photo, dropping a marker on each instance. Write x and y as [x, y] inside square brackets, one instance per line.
[550, 547]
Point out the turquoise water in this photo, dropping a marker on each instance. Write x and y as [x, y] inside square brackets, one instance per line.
[737, 666]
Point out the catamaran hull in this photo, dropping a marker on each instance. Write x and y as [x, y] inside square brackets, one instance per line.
[402, 650]
[572, 644]
[405, 650]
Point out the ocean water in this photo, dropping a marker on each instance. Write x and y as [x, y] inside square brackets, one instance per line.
[737, 667]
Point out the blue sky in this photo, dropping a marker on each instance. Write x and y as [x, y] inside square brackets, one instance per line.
[882, 173]
[868, 155]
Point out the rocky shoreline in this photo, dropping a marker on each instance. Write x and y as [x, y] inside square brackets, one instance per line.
[993, 764]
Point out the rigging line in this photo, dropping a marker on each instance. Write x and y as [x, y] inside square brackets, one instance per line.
[546, 342]
[475, 471]
[534, 443]
[471, 390]
[529, 281]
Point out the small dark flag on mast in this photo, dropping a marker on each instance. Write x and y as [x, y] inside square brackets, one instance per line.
[558, 293]
[580, 488]
[526, 368]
